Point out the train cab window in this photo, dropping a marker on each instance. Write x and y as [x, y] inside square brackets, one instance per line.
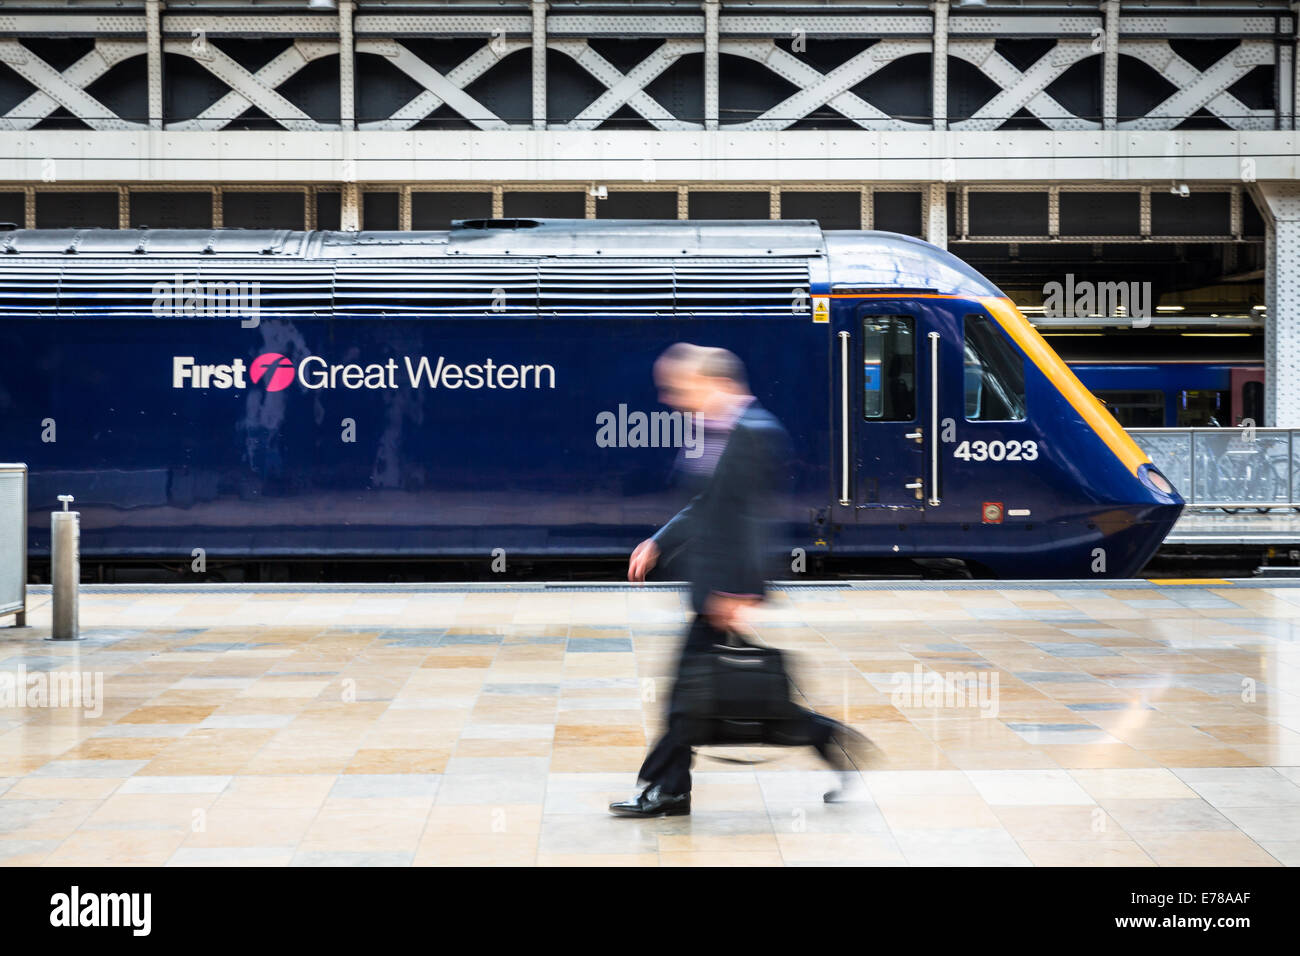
[888, 368]
[1135, 409]
[994, 374]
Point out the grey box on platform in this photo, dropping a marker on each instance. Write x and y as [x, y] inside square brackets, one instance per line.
[13, 542]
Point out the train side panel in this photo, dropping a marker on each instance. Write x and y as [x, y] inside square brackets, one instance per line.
[385, 468]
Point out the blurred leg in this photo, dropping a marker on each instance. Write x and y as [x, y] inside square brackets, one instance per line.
[669, 762]
[824, 737]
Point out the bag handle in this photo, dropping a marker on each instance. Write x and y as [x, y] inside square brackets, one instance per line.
[736, 639]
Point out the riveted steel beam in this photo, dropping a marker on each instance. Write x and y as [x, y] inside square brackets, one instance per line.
[1280, 204]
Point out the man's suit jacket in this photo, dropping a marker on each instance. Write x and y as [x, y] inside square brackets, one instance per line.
[722, 533]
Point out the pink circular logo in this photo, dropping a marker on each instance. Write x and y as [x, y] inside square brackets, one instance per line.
[277, 370]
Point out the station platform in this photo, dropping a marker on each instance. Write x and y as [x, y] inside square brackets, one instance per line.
[1133, 723]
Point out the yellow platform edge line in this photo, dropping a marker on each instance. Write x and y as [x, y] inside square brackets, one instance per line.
[1216, 582]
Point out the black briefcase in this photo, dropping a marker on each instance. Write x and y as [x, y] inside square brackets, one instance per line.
[736, 694]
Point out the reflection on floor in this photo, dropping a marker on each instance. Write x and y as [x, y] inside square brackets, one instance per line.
[1055, 724]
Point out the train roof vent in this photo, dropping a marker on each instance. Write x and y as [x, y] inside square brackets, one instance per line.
[495, 224]
[618, 286]
[571, 286]
[175, 288]
[163, 242]
[770, 286]
[434, 286]
[637, 238]
[110, 287]
[29, 288]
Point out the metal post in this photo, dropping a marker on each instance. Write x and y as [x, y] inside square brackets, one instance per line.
[939, 67]
[1292, 485]
[1110, 66]
[539, 64]
[1294, 96]
[934, 207]
[350, 206]
[347, 67]
[1280, 204]
[154, 60]
[1286, 72]
[65, 570]
[711, 10]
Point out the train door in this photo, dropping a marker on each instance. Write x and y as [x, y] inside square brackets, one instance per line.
[1247, 396]
[883, 391]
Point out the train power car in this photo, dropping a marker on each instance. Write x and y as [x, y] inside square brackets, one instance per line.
[292, 395]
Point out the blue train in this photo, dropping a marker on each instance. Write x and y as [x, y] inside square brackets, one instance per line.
[1177, 392]
[276, 394]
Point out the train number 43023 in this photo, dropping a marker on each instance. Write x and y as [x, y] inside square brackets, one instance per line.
[997, 451]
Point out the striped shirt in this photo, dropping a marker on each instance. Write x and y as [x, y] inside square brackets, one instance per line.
[717, 432]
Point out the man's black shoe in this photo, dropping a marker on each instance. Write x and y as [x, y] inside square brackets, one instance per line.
[653, 802]
[840, 793]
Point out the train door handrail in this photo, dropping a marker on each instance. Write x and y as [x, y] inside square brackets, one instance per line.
[934, 420]
[845, 424]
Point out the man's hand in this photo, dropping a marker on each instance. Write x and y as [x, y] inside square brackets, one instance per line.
[643, 559]
[725, 611]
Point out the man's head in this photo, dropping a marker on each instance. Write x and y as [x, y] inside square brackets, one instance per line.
[723, 375]
[697, 379]
[677, 376]
[725, 370]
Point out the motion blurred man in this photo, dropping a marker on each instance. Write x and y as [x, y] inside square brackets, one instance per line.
[721, 535]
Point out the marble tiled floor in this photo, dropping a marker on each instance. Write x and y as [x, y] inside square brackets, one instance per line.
[1152, 724]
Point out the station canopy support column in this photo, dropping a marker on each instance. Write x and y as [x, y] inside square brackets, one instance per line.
[1280, 202]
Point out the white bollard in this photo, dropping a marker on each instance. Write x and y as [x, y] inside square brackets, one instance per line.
[65, 570]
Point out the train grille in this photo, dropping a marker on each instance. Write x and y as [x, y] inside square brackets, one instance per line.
[195, 287]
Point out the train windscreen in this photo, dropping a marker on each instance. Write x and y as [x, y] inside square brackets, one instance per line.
[994, 374]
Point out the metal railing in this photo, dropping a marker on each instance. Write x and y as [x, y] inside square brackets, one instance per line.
[13, 542]
[1227, 467]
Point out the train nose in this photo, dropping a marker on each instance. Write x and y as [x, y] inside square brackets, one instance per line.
[1133, 527]
[1160, 486]
[1164, 504]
